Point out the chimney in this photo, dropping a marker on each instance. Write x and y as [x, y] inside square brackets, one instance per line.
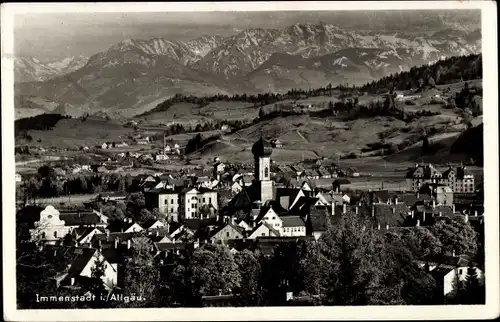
[423, 217]
[412, 214]
[475, 213]
[396, 200]
[418, 222]
[334, 204]
[378, 227]
[373, 211]
[157, 233]
[453, 208]
[466, 218]
[107, 233]
[418, 195]
[386, 227]
[72, 281]
[453, 253]
[128, 244]
[345, 208]
[116, 243]
[393, 210]
[357, 209]
[433, 203]
[440, 214]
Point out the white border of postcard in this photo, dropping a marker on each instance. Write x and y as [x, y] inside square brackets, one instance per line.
[489, 50]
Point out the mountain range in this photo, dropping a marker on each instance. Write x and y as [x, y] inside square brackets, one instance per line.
[29, 69]
[134, 75]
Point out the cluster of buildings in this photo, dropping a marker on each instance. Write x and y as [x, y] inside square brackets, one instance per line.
[456, 179]
[260, 214]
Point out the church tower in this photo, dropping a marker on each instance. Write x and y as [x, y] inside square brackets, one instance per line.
[261, 151]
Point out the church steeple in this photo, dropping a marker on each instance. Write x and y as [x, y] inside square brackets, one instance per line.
[262, 151]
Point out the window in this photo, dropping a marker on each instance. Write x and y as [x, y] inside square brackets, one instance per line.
[171, 201]
[43, 234]
[263, 234]
[166, 202]
[203, 200]
[210, 200]
[274, 217]
[227, 234]
[193, 205]
[171, 209]
[266, 172]
[55, 234]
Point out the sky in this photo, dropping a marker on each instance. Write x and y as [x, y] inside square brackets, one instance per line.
[52, 36]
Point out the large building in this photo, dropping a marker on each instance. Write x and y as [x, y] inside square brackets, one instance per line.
[185, 203]
[459, 179]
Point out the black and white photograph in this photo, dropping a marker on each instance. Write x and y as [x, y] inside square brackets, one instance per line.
[250, 156]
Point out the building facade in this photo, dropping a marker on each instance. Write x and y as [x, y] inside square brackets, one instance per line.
[459, 179]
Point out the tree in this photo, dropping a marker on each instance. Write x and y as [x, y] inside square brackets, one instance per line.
[249, 269]
[356, 270]
[420, 241]
[141, 275]
[456, 235]
[213, 271]
[96, 286]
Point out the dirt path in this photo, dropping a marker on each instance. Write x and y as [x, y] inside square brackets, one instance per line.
[303, 138]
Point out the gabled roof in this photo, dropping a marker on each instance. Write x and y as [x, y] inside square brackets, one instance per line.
[80, 218]
[149, 223]
[119, 226]
[392, 215]
[88, 230]
[292, 221]
[76, 258]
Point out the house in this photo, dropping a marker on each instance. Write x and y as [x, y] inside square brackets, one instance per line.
[323, 173]
[84, 235]
[277, 144]
[125, 226]
[352, 172]
[293, 226]
[161, 157]
[219, 167]
[448, 269]
[263, 230]
[225, 128]
[270, 217]
[324, 199]
[104, 146]
[444, 196]
[54, 225]
[180, 202]
[75, 266]
[236, 187]
[227, 232]
[18, 177]
[341, 198]
[154, 224]
[142, 141]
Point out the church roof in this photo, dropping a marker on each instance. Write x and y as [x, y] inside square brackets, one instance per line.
[261, 148]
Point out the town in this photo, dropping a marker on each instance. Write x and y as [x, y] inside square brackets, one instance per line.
[256, 207]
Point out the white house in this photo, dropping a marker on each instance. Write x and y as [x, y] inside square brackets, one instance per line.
[293, 226]
[161, 157]
[53, 225]
[191, 200]
[79, 264]
[272, 219]
[448, 270]
[236, 187]
[18, 177]
[264, 230]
